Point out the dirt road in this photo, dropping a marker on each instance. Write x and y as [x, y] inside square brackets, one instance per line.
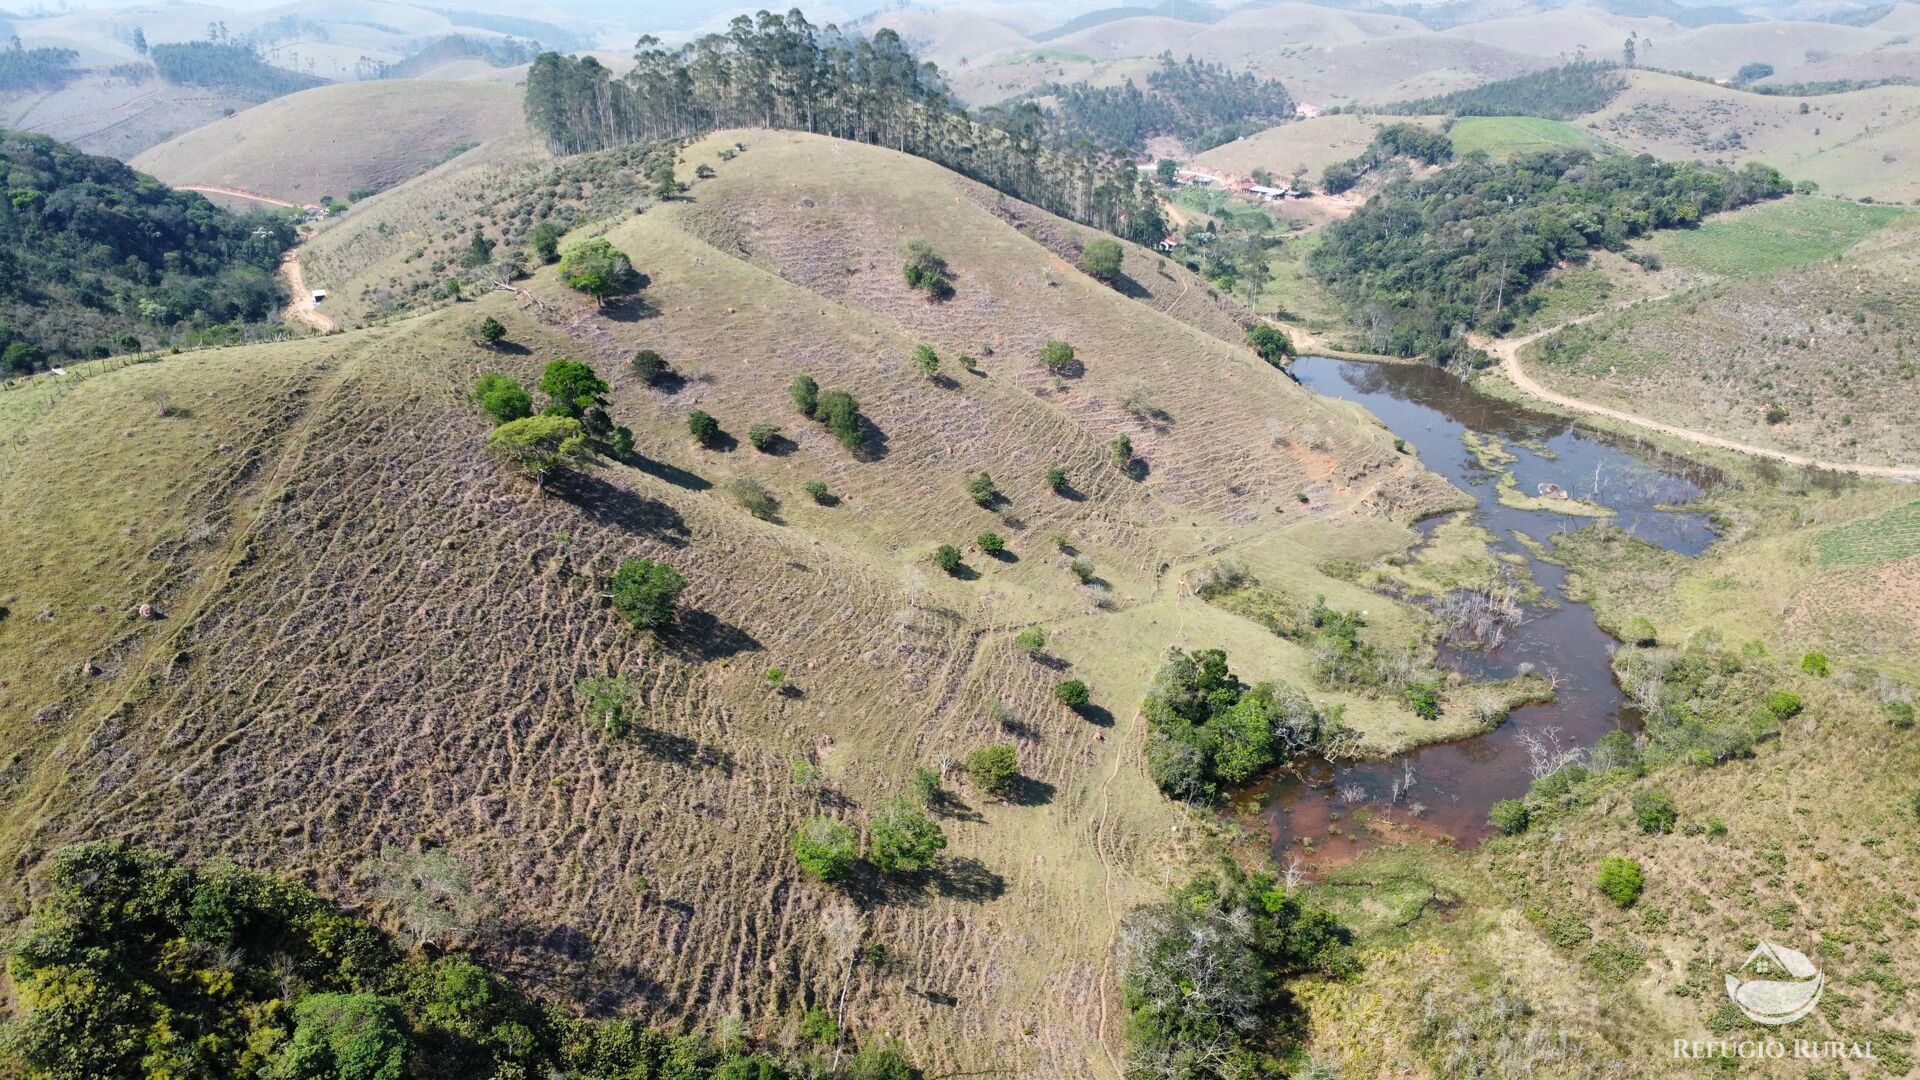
[301, 308]
[235, 193]
[1507, 351]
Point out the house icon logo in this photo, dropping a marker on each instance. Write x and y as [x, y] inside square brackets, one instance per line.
[1776, 985]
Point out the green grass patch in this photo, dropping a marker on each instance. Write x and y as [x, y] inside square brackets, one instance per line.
[1505, 136]
[1885, 537]
[1041, 56]
[1771, 236]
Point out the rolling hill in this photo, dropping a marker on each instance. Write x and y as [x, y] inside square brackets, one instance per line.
[376, 134]
[365, 631]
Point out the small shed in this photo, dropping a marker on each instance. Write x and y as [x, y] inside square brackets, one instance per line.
[319, 295]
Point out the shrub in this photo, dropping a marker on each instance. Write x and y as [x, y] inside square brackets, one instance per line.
[597, 268]
[902, 839]
[841, 413]
[818, 1025]
[819, 492]
[1102, 258]
[607, 698]
[540, 445]
[1082, 570]
[1072, 693]
[1424, 699]
[645, 592]
[1058, 357]
[926, 271]
[753, 497]
[1122, 451]
[1900, 715]
[545, 241]
[993, 768]
[947, 557]
[492, 331]
[1272, 345]
[1620, 880]
[502, 398]
[926, 361]
[1783, 704]
[926, 785]
[649, 365]
[763, 435]
[826, 848]
[703, 427]
[1510, 816]
[805, 394]
[1815, 664]
[1032, 640]
[990, 543]
[621, 443]
[1655, 812]
[980, 489]
[1057, 480]
[1639, 631]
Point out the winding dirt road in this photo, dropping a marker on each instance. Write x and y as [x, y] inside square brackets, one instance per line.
[1507, 351]
[301, 308]
[235, 193]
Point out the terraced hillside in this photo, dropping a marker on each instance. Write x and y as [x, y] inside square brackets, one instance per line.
[364, 631]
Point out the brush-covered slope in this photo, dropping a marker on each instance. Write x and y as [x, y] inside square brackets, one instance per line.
[372, 633]
[337, 139]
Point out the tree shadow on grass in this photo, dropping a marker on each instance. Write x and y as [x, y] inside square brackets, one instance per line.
[964, 573]
[703, 636]
[562, 958]
[721, 443]
[967, 879]
[1129, 288]
[610, 504]
[1004, 555]
[676, 748]
[1070, 493]
[1095, 715]
[1138, 470]
[948, 805]
[509, 348]
[1026, 791]
[873, 441]
[671, 474]
[945, 382]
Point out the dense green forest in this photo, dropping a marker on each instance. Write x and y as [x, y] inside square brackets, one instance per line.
[96, 258]
[1430, 257]
[135, 965]
[1560, 93]
[1201, 104]
[30, 69]
[782, 72]
[1390, 143]
[226, 65]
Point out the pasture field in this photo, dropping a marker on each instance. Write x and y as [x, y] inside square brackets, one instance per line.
[1505, 136]
[1883, 538]
[1781, 234]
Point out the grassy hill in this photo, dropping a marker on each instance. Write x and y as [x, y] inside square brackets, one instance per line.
[1505, 136]
[371, 633]
[376, 134]
[1851, 143]
[1312, 144]
[1788, 327]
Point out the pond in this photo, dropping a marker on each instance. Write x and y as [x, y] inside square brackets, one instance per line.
[1314, 810]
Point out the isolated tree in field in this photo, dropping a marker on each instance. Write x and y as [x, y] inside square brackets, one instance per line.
[1072, 693]
[597, 268]
[540, 445]
[1032, 641]
[703, 427]
[574, 387]
[826, 848]
[1102, 258]
[1121, 451]
[902, 839]
[947, 557]
[990, 543]
[1272, 345]
[841, 413]
[649, 365]
[1424, 699]
[819, 492]
[926, 271]
[805, 394]
[665, 184]
[1654, 811]
[993, 769]
[431, 889]
[926, 361]
[1058, 357]
[492, 331]
[1057, 480]
[545, 241]
[607, 698]
[644, 592]
[981, 489]
[763, 435]
[754, 497]
[1620, 879]
[502, 398]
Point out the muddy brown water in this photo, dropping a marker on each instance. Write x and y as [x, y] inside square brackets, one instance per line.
[1329, 813]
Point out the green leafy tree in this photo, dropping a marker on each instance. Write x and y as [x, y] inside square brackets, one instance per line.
[1620, 880]
[826, 848]
[841, 413]
[645, 592]
[574, 387]
[990, 543]
[607, 698]
[926, 361]
[1782, 705]
[502, 398]
[1816, 664]
[902, 839]
[947, 557]
[806, 395]
[703, 427]
[597, 268]
[1102, 258]
[492, 331]
[763, 436]
[1510, 816]
[926, 271]
[1654, 811]
[1032, 641]
[540, 445]
[981, 489]
[1640, 631]
[994, 768]
[649, 365]
[665, 184]
[1166, 170]
[820, 492]
[1121, 451]
[818, 1026]
[1072, 693]
[1272, 345]
[1057, 480]
[1423, 698]
[926, 785]
[1058, 356]
[346, 1037]
[544, 239]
